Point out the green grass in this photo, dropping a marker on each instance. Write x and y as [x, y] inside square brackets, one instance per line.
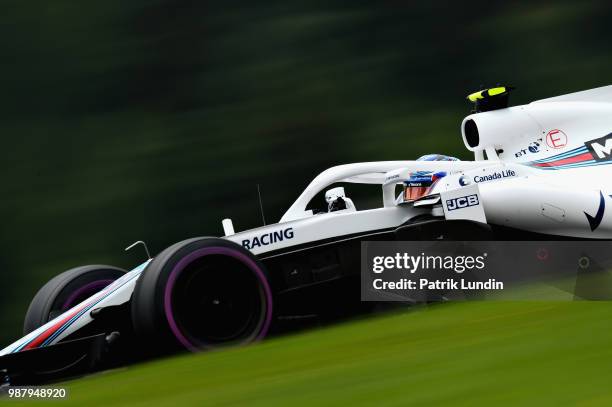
[478, 353]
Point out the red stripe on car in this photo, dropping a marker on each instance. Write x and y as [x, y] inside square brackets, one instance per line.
[51, 330]
[570, 160]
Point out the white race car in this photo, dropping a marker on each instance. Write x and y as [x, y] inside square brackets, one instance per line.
[540, 171]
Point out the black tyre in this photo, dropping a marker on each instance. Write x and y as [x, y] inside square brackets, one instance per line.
[202, 293]
[67, 290]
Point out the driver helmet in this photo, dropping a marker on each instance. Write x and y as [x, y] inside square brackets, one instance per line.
[437, 157]
[421, 183]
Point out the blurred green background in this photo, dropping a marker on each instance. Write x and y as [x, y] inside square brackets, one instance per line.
[153, 120]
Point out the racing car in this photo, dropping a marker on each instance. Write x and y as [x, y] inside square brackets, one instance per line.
[540, 171]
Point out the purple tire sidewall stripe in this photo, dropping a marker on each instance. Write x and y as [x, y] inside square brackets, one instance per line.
[97, 298]
[206, 251]
[92, 288]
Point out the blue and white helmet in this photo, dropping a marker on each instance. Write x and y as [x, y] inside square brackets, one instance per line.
[437, 157]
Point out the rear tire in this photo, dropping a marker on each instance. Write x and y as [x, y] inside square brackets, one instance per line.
[66, 290]
[202, 293]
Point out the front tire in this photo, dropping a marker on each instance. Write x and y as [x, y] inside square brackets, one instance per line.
[66, 290]
[202, 293]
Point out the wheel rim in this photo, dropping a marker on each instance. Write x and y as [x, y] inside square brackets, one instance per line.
[205, 307]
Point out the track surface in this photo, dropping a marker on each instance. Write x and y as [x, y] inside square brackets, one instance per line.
[480, 353]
